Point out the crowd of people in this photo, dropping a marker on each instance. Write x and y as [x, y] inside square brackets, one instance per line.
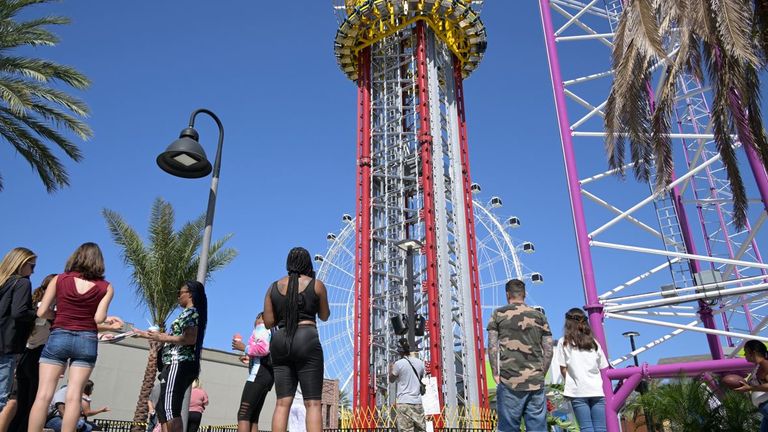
[53, 329]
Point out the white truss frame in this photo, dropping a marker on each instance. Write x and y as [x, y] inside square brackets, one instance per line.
[653, 218]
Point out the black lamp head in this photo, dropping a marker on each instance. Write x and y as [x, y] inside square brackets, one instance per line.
[185, 157]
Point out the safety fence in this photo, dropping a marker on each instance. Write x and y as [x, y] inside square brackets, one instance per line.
[129, 426]
[384, 418]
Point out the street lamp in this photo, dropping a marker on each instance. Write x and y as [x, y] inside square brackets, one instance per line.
[632, 335]
[185, 158]
[410, 246]
[641, 387]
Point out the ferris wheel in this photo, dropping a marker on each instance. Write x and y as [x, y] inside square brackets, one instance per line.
[499, 260]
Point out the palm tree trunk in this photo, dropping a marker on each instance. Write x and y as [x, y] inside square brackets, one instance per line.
[142, 411]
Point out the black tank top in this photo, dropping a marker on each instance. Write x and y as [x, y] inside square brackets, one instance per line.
[308, 303]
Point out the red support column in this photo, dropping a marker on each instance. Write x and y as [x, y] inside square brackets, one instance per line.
[364, 396]
[428, 210]
[474, 277]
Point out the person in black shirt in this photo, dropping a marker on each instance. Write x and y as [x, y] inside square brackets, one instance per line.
[18, 316]
[292, 304]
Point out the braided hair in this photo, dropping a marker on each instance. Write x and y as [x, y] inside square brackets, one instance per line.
[298, 263]
[578, 334]
[200, 300]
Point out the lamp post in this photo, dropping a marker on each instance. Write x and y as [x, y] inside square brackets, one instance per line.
[641, 388]
[632, 335]
[185, 158]
[410, 246]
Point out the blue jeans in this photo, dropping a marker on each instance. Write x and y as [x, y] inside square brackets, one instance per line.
[512, 406]
[763, 408]
[55, 424]
[590, 413]
[7, 366]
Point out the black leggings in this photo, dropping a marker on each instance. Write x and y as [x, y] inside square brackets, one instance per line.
[27, 377]
[193, 422]
[298, 362]
[254, 395]
[174, 381]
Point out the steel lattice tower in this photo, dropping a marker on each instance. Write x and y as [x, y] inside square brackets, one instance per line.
[685, 268]
[409, 58]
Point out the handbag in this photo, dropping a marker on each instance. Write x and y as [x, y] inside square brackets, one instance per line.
[422, 386]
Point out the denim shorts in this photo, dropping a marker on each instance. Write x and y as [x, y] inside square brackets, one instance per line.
[77, 347]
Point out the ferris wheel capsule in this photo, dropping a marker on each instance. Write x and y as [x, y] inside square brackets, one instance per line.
[513, 222]
[527, 247]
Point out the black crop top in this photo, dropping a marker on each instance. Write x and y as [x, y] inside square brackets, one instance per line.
[308, 302]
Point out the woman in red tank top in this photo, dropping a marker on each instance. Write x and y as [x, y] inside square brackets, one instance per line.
[82, 298]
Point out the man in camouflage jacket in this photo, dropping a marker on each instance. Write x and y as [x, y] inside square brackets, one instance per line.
[520, 351]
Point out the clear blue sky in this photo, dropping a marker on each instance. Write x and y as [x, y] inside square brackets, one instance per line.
[267, 69]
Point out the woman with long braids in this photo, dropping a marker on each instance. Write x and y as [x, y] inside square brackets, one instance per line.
[581, 358]
[181, 353]
[293, 305]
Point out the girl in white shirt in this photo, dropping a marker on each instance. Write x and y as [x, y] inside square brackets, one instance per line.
[581, 358]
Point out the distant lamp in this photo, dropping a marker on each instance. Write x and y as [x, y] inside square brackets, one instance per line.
[409, 244]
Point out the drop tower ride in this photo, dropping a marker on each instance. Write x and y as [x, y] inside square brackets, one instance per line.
[409, 59]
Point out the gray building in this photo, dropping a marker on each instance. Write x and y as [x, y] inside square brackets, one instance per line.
[120, 370]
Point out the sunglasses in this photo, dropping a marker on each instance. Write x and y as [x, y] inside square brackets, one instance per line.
[180, 292]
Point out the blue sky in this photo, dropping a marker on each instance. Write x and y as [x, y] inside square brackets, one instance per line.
[268, 71]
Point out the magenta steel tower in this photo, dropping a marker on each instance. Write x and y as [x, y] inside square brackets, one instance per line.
[668, 263]
[414, 206]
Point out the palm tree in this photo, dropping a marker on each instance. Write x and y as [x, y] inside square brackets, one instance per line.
[728, 39]
[160, 268]
[33, 113]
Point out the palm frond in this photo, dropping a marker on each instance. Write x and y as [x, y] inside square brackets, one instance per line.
[643, 28]
[44, 131]
[734, 25]
[701, 20]
[62, 119]
[761, 27]
[31, 110]
[718, 67]
[43, 71]
[46, 164]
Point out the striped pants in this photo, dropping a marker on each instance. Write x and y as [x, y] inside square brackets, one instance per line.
[174, 381]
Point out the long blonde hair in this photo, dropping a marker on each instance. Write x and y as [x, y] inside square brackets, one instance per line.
[13, 261]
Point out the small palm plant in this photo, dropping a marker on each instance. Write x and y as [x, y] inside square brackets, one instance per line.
[33, 113]
[688, 405]
[160, 268]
